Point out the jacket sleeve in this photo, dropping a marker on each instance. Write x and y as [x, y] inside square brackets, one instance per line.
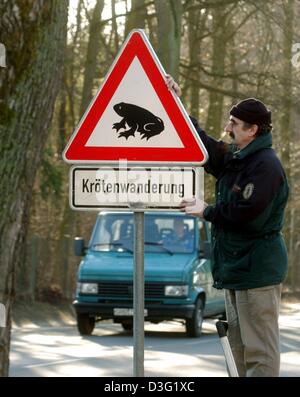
[216, 150]
[254, 203]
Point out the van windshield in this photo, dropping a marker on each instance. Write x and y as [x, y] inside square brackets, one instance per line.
[163, 234]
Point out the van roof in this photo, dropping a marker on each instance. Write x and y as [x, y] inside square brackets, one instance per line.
[161, 213]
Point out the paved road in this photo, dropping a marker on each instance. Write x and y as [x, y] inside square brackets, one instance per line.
[60, 351]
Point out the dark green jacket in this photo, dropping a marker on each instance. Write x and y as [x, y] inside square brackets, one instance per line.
[247, 218]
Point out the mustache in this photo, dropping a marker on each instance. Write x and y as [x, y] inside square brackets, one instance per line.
[230, 133]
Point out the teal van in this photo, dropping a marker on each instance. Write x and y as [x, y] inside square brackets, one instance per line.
[178, 280]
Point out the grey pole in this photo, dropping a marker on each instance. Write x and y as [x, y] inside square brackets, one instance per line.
[138, 295]
[222, 327]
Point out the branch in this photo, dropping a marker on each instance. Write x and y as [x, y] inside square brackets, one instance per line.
[212, 4]
[229, 75]
[230, 93]
[104, 21]
[230, 36]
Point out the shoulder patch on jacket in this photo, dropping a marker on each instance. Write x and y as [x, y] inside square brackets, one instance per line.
[248, 190]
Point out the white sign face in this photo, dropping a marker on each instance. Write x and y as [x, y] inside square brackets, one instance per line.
[137, 90]
[136, 188]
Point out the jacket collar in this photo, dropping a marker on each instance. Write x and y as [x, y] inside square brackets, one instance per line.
[261, 142]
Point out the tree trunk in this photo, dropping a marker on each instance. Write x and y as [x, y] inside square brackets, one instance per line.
[294, 245]
[72, 76]
[35, 58]
[196, 25]
[285, 122]
[169, 16]
[70, 221]
[194, 51]
[91, 57]
[215, 109]
[137, 16]
[114, 26]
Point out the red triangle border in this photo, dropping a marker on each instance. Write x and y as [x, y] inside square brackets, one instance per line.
[192, 152]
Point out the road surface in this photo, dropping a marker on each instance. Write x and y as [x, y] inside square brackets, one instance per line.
[59, 350]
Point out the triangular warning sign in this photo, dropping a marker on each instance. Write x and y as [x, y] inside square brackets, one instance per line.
[134, 116]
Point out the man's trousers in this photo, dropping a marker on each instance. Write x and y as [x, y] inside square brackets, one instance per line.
[253, 330]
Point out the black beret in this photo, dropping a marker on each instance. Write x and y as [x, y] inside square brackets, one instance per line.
[252, 111]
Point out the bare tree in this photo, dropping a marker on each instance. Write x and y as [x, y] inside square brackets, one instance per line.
[30, 85]
[91, 56]
[285, 121]
[195, 23]
[169, 16]
[215, 109]
[137, 16]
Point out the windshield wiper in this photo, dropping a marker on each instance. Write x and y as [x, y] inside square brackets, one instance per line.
[114, 245]
[160, 245]
[130, 250]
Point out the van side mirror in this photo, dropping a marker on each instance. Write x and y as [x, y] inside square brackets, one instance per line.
[79, 249]
[207, 249]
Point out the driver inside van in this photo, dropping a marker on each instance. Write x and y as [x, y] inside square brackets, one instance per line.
[179, 229]
[181, 236]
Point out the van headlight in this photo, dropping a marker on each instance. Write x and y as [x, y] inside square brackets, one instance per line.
[87, 288]
[176, 290]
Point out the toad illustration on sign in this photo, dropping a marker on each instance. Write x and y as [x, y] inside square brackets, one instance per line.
[137, 119]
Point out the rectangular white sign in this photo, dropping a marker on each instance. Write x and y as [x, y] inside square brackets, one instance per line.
[135, 188]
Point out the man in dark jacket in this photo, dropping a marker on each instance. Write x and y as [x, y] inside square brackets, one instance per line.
[249, 254]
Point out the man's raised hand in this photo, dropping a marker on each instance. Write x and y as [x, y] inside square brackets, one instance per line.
[171, 84]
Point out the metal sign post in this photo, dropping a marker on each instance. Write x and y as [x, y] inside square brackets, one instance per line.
[138, 295]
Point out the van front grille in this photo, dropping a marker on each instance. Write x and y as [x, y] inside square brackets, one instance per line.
[115, 289]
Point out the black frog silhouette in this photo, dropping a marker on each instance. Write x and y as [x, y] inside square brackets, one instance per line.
[137, 119]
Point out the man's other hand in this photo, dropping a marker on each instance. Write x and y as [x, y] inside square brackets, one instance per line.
[193, 206]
